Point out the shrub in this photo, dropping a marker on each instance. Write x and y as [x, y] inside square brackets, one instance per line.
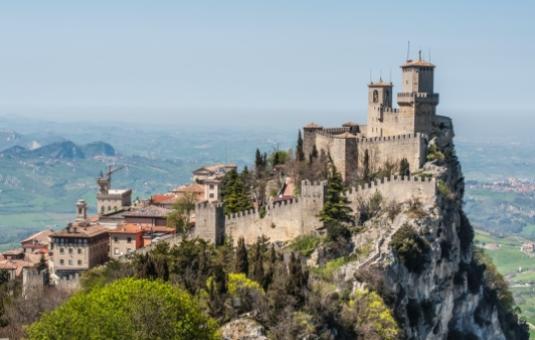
[434, 154]
[127, 309]
[412, 250]
[369, 317]
[444, 189]
[305, 244]
[466, 234]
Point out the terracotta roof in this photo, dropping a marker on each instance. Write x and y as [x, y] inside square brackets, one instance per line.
[81, 230]
[39, 237]
[15, 251]
[417, 63]
[190, 188]
[149, 211]
[134, 228]
[164, 198]
[16, 265]
[312, 125]
[128, 228]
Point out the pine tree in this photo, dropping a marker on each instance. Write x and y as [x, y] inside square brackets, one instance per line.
[258, 161]
[258, 263]
[299, 152]
[297, 278]
[404, 168]
[336, 213]
[235, 193]
[242, 262]
[313, 155]
[366, 166]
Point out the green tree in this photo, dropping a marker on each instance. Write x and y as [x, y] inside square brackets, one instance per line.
[336, 213]
[179, 217]
[235, 193]
[299, 151]
[313, 154]
[366, 174]
[127, 309]
[404, 168]
[242, 262]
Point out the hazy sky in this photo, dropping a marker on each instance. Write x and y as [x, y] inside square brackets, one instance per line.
[152, 59]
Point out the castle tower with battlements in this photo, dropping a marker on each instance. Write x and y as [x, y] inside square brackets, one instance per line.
[391, 134]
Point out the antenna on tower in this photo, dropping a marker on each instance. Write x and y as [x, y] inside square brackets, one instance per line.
[408, 49]
[390, 75]
[420, 55]
[371, 81]
[381, 76]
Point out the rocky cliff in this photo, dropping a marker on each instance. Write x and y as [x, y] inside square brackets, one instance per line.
[425, 266]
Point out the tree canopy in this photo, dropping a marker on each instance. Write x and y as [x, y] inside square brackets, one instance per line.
[127, 309]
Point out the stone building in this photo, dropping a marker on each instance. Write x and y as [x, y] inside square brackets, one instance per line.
[80, 246]
[111, 200]
[391, 134]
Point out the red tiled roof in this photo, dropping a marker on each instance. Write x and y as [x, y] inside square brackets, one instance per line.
[164, 198]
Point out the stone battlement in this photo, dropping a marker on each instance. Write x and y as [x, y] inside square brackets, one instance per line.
[396, 138]
[285, 220]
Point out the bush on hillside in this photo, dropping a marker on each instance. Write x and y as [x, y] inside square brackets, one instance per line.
[412, 250]
[127, 309]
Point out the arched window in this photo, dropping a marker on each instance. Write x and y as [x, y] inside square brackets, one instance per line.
[375, 96]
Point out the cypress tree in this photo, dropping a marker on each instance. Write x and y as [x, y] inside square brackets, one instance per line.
[258, 264]
[366, 166]
[242, 262]
[336, 213]
[404, 168]
[313, 155]
[258, 161]
[299, 152]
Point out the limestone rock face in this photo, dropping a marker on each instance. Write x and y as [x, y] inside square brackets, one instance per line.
[442, 301]
[243, 329]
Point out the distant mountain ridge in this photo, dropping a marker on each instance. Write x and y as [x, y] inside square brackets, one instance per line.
[61, 150]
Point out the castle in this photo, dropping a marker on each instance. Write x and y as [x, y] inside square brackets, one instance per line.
[391, 135]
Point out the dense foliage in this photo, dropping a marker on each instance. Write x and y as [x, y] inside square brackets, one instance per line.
[336, 213]
[411, 248]
[127, 309]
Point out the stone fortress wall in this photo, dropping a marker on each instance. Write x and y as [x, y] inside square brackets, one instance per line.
[347, 151]
[286, 220]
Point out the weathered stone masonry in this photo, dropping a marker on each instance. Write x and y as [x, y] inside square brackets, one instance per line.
[286, 220]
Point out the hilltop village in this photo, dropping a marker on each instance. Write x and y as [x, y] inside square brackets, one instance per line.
[384, 156]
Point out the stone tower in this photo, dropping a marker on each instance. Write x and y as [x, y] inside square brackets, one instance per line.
[417, 100]
[379, 101]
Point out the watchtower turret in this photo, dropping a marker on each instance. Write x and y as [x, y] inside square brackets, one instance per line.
[379, 99]
[417, 100]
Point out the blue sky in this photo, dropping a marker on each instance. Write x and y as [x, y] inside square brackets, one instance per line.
[230, 59]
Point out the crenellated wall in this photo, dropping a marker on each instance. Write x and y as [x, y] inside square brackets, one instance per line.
[397, 188]
[288, 219]
[393, 149]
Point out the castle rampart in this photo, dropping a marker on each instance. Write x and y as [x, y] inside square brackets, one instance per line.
[288, 219]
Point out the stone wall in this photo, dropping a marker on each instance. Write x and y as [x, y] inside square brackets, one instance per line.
[392, 149]
[288, 219]
[397, 189]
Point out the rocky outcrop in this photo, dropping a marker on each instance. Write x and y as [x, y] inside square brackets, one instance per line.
[243, 329]
[445, 295]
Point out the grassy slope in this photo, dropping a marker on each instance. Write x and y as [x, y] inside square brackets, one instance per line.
[508, 258]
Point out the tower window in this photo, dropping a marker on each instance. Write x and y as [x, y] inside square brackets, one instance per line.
[375, 96]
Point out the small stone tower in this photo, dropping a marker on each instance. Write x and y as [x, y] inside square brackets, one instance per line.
[379, 100]
[417, 100]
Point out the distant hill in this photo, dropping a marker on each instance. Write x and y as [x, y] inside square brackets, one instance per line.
[60, 150]
[10, 138]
